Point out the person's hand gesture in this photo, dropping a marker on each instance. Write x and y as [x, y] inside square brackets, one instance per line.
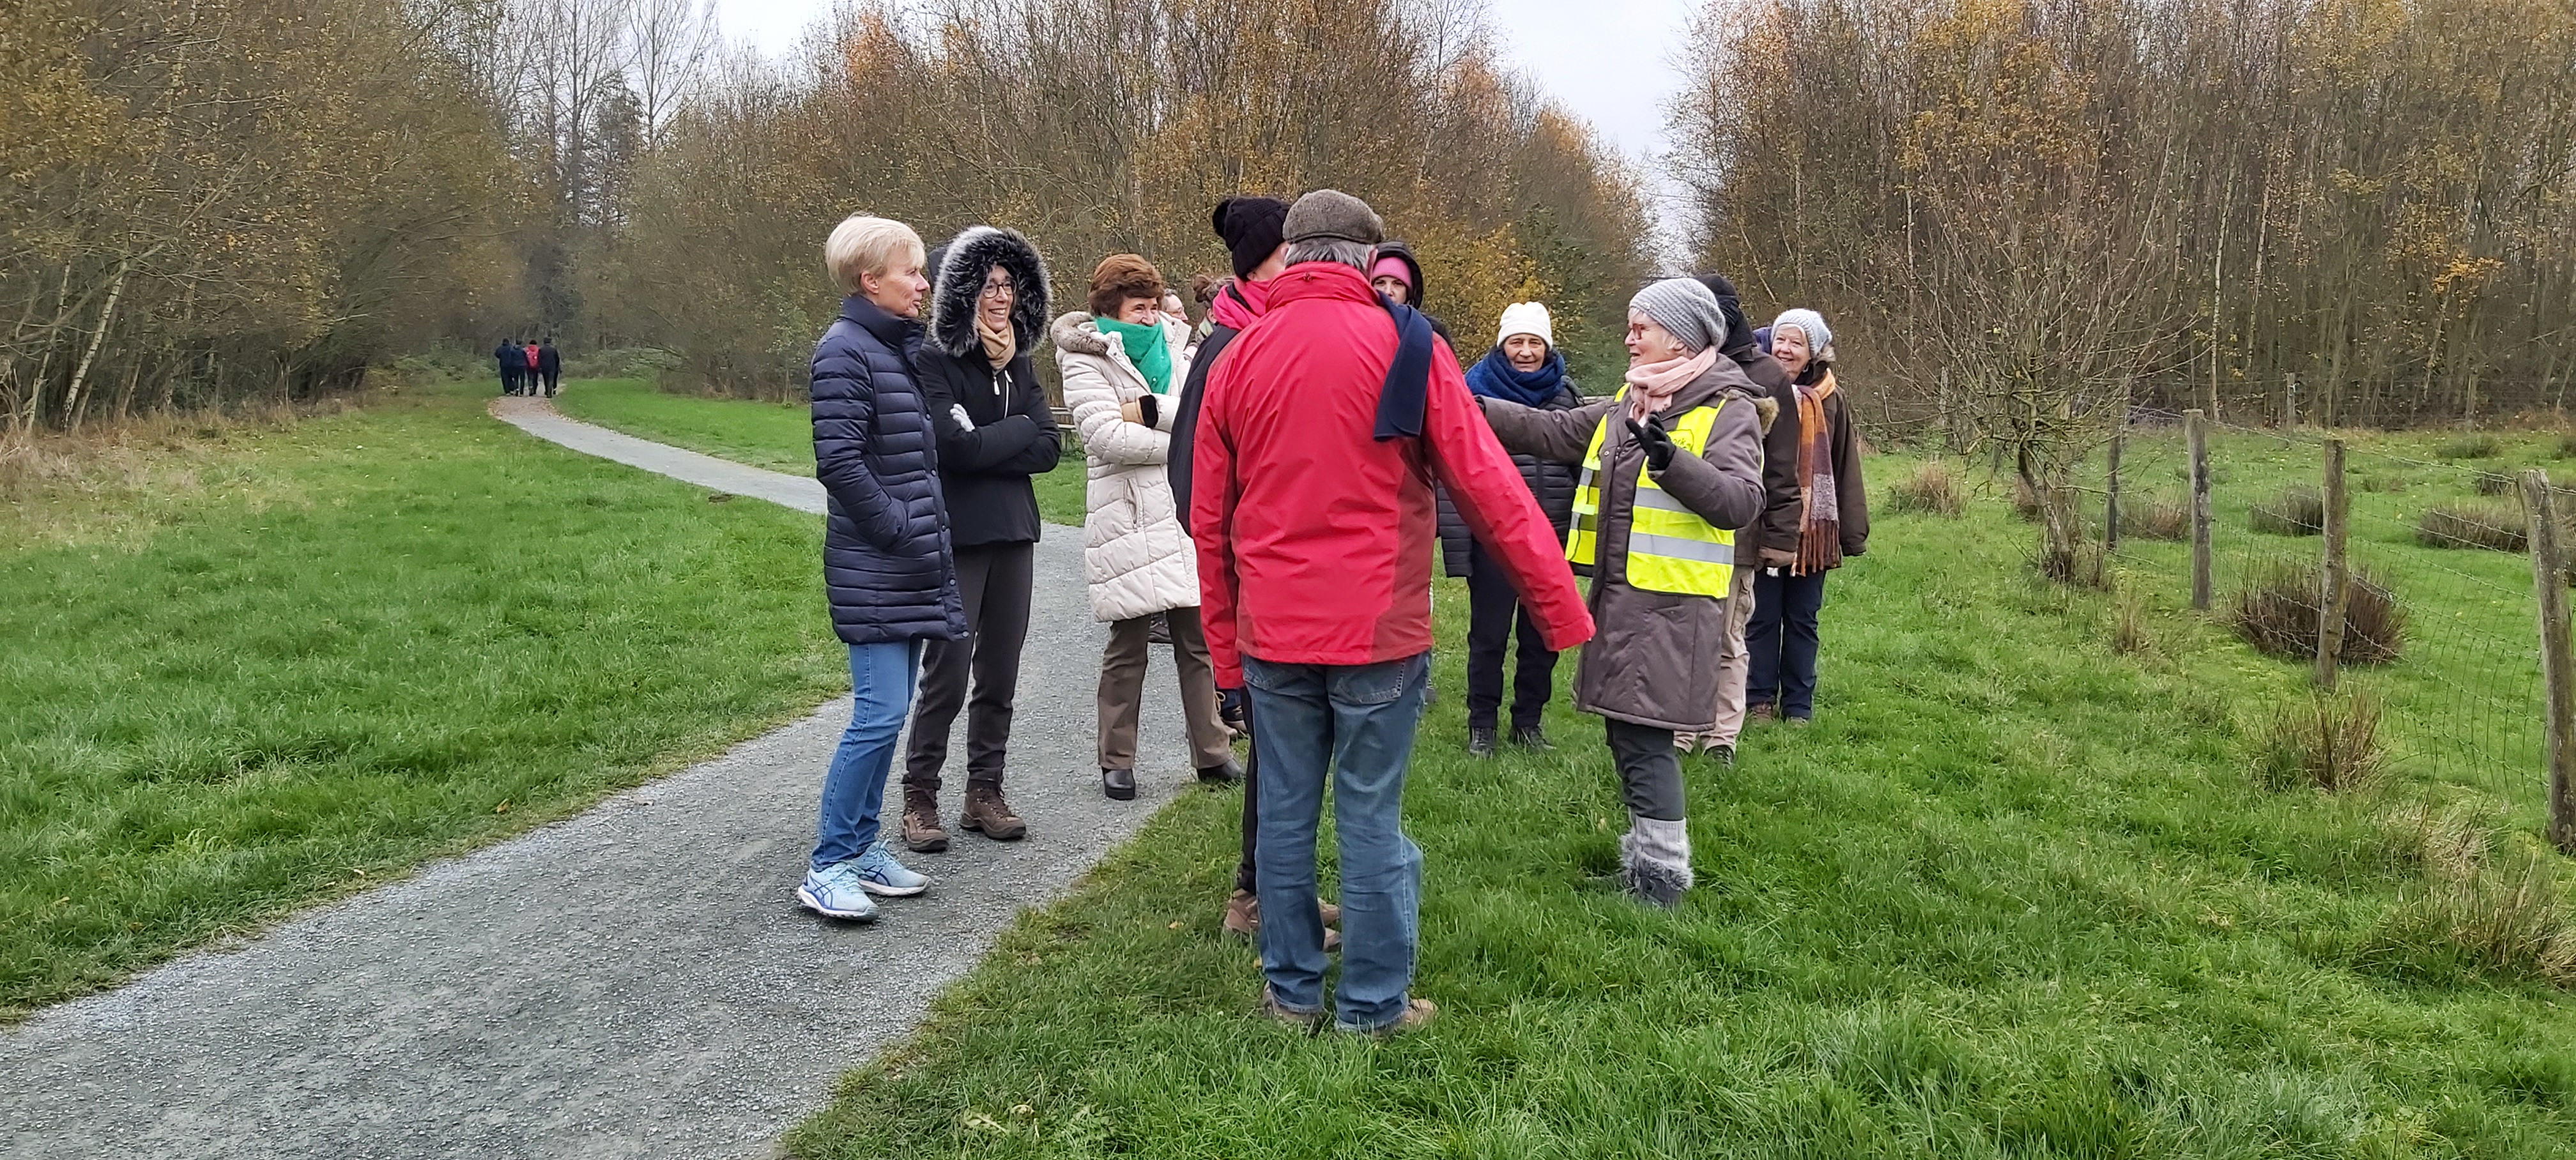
[1657, 442]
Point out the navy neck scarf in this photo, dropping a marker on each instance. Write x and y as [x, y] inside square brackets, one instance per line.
[1494, 378]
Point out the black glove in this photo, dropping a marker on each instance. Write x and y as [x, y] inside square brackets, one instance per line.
[1650, 435]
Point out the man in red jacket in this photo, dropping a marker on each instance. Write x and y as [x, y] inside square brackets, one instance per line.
[1318, 442]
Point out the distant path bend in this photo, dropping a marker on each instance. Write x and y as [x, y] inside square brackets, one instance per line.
[632, 982]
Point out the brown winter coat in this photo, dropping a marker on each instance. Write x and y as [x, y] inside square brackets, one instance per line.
[1779, 524]
[1779, 452]
[1653, 660]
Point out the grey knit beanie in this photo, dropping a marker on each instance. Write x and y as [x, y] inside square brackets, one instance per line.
[1686, 308]
[1331, 213]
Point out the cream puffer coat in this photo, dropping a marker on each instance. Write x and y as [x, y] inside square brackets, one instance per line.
[1136, 551]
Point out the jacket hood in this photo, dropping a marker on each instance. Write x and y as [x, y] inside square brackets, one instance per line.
[1403, 252]
[961, 266]
[1075, 333]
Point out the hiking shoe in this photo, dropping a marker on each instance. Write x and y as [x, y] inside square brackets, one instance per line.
[1160, 631]
[1272, 1007]
[1762, 711]
[834, 892]
[1799, 722]
[1418, 1012]
[1530, 737]
[1725, 755]
[989, 813]
[1118, 784]
[1243, 914]
[878, 873]
[921, 832]
[1225, 772]
[1481, 742]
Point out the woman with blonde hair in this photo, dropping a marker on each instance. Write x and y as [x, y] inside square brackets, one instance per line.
[888, 570]
[1123, 362]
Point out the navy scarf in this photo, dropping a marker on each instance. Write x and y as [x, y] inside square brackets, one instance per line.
[1493, 378]
[1406, 394]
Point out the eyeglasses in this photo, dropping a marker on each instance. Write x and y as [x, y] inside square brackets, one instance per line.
[1001, 289]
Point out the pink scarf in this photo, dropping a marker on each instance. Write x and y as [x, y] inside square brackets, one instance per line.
[1240, 302]
[1652, 385]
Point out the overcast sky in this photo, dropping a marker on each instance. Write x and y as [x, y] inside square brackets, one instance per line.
[1609, 61]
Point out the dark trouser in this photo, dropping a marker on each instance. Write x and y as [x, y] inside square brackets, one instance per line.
[1650, 775]
[1244, 878]
[1122, 691]
[1493, 609]
[509, 381]
[1782, 639]
[996, 580]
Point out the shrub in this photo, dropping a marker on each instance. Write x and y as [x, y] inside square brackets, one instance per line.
[2492, 483]
[2328, 741]
[2480, 446]
[2507, 921]
[2297, 511]
[1933, 488]
[2383, 483]
[2566, 446]
[2489, 525]
[2277, 614]
[2155, 517]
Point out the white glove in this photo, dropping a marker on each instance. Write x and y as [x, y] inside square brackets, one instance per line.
[957, 411]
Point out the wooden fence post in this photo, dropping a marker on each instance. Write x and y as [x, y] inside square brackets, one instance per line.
[2337, 587]
[2289, 401]
[2195, 429]
[2111, 491]
[2549, 575]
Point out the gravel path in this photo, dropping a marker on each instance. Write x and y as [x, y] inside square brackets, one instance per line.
[632, 982]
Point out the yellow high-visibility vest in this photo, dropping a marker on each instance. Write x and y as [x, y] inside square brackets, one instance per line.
[1670, 548]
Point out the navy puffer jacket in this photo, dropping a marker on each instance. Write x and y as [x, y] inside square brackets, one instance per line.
[887, 565]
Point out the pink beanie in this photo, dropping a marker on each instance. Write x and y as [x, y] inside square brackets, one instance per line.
[1391, 266]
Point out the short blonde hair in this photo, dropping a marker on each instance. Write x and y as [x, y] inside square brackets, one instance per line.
[868, 245]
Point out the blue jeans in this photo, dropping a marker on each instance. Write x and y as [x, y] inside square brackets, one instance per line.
[881, 677]
[1781, 639]
[1357, 720]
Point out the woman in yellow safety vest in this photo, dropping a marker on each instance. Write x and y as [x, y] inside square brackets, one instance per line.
[1670, 468]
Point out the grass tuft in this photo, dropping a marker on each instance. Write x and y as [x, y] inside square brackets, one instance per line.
[2496, 527]
[2276, 612]
[2477, 446]
[2162, 516]
[2129, 622]
[1934, 489]
[2296, 511]
[2492, 483]
[2322, 741]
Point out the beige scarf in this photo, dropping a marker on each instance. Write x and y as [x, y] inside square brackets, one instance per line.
[999, 345]
[1652, 385]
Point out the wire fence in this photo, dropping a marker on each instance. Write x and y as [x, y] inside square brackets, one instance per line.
[2441, 623]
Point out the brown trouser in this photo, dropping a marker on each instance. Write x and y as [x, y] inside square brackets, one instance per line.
[1732, 659]
[1122, 689]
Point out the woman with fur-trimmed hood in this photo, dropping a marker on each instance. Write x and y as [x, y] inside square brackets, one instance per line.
[988, 308]
[1124, 363]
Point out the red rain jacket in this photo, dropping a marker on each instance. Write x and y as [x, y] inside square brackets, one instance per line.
[1315, 540]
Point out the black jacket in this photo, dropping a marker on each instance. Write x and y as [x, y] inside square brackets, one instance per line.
[1550, 482]
[887, 567]
[513, 360]
[1010, 432]
[1185, 424]
[984, 470]
[549, 360]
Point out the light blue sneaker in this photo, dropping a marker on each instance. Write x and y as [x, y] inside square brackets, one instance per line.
[836, 892]
[878, 873]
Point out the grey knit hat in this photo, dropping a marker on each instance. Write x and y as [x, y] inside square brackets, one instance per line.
[1331, 213]
[1686, 308]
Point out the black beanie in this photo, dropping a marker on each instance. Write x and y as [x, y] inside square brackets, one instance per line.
[1252, 228]
[1739, 332]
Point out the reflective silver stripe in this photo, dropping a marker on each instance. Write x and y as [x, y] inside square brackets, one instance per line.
[1677, 548]
[1661, 500]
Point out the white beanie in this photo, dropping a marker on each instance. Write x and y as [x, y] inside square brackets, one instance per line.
[1820, 338]
[1528, 318]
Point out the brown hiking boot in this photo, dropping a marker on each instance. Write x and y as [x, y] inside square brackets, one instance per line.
[1417, 1013]
[987, 812]
[921, 832]
[1243, 913]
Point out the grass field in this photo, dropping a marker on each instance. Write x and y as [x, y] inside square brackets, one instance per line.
[275, 665]
[778, 436]
[2013, 894]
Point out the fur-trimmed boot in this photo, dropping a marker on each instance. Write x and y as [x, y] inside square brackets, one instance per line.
[1654, 859]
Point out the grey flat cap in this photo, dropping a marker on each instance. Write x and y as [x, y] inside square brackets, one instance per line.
[1331, 213]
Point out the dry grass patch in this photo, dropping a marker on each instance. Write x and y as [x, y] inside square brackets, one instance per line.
[1934, 489]
[2324, 741]
[2276, 612]
[2296, 511]
[2497, 527]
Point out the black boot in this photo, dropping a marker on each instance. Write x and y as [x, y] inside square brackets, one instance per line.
[1119, 784]
[1481, 742]
[1530, 737]
[1222, 773]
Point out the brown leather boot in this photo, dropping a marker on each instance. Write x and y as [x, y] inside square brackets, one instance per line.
[921, 832]
[988, 812]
